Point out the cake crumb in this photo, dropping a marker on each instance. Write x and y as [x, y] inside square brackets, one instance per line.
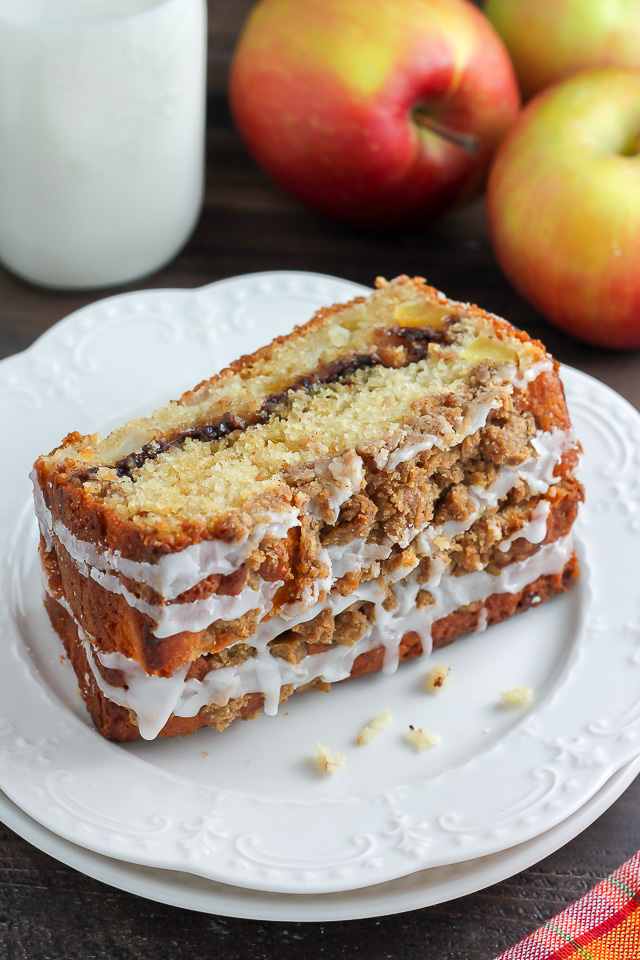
[439, 677]
[375, 727]
[328, 761]
[421, 739]
[517, 697]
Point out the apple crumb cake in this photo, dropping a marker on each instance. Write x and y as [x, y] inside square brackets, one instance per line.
[395, 473]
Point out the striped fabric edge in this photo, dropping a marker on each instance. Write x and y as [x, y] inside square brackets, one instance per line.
[574, 933]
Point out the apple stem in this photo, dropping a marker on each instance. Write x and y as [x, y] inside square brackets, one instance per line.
[467, 141]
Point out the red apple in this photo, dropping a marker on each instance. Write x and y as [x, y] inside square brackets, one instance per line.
[550, 39]
[564, 206]
[378, 113]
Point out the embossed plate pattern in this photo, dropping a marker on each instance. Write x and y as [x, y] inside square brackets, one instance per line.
[422, 889]
[247, 807]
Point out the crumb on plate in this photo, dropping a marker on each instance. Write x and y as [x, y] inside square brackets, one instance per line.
[375, 727]
[516, 697]
[439, 676]
[328, 761]
[421, 739]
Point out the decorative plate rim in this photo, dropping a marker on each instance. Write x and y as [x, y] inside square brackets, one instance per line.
[413, 892]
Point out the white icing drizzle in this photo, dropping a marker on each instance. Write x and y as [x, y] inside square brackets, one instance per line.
[550, 448]
[537, 473]
[533, 530]
[311, 593]
[62, 600]
[45, 521]
[353, 557]
[154, 699]
[348, 476]
[532, 373]
[173, 573]
[343, 477]
[198, 614]
[474, 420]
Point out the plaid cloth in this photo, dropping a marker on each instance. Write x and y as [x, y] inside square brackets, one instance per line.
[603, 925]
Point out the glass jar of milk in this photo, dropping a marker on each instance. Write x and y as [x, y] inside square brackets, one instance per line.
[101, 136]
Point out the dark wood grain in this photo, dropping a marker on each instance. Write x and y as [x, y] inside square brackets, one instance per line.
[50, 912]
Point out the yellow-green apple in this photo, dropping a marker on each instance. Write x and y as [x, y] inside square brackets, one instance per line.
[376, 113]
[550, 39]
[564, 205]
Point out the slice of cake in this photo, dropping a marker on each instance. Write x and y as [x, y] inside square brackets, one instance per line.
[395, 473]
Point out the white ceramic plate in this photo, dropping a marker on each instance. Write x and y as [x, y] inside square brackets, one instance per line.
[247, 807]
[422, 889]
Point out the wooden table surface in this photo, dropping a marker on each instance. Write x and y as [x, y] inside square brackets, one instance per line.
[51, 912]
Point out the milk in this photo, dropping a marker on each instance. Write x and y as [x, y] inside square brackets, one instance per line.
[101, 136]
